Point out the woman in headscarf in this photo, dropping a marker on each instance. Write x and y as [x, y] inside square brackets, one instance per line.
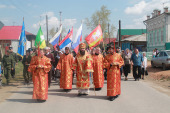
[126, 66]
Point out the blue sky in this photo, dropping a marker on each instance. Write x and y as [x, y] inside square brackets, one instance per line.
[130, 12]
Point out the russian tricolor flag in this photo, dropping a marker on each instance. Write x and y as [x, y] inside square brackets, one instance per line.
[77, 40]
[55, 40]
[66, 42]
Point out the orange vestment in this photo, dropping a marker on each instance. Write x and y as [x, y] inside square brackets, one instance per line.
[66, 76]
[113, 73]
[83, 65]
[39, 67]
[98, 76]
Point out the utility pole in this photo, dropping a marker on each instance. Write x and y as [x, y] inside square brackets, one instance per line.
[108, 33]
[60, 26]
[119, 32]
[47, 28]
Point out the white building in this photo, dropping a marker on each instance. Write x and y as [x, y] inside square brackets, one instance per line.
[158, 29]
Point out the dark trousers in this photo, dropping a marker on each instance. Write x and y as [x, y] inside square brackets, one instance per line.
[7, 72]
[26, 75]
[105, 74]
[13, 72]
[126, 69]
[49, 77]
[135, 74]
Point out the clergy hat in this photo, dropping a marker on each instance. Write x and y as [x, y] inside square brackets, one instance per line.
[82, 46]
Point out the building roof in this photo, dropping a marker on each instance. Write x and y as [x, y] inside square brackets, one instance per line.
[11, 33]
[106, 40]
[135, 38]
[132, 31]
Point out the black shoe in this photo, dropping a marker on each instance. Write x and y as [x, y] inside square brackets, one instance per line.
[98, 89]
[112, 98]
[79, 94]
[116, 96]
[85, 94]
[67, 90]
[41, 101]
[135, 79]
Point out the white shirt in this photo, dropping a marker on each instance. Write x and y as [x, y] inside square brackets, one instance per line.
[144, 62]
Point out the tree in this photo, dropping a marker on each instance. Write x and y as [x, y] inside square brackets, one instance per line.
[53, 31]
[102, 17]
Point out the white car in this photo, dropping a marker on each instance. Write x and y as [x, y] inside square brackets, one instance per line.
[162, 59]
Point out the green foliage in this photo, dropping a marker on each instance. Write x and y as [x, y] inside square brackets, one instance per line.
[18, 74]
[100, 17]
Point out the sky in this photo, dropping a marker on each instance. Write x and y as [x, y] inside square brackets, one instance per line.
[132, 13]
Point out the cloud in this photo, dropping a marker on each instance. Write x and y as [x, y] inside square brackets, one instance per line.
[53, 21]
[136, 9]
[137, 23]
[144, 7]
[7, 6]
[2, 6]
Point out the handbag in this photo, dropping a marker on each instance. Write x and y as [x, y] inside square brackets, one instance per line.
[146, 72]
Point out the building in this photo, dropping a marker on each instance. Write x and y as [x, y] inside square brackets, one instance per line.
[10, 35]
[158, 29]
[133, 38]
[137, 41]
[1, 25]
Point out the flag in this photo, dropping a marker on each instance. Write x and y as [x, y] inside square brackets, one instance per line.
[40, 41]
[55, 40]
[77, 40]
[22, 41]
[95, 37]
[66, 42]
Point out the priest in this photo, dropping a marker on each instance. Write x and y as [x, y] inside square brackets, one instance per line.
[39, 67]
[113, 63]
[65, 67]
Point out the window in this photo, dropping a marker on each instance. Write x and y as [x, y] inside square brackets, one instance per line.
[158, 36]
[153, 37]
[6, 44]
[162, 35]
[150, 36]
[161, 54]
[165, 54]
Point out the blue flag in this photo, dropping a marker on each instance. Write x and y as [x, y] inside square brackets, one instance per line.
[22, 41]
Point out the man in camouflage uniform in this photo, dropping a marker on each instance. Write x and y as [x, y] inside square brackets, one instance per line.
[26, 62]
[14, 56]
[7, 65]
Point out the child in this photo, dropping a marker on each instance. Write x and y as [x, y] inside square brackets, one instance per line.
[144, 66]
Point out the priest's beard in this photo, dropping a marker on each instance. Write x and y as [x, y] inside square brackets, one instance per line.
[96, 54]
[66, 53]
[82, 52]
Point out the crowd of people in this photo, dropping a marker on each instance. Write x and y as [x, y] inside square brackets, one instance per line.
[43, 65]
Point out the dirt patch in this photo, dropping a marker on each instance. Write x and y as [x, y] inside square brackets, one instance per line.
[158, 79]
[5, 91]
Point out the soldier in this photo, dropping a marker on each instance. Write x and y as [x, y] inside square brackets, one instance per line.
[26, 62]
[15, 59]
[7, 65]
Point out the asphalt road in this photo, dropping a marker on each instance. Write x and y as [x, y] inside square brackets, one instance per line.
[136, 97]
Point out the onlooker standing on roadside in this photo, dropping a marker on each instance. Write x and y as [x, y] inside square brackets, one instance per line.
[14, 56]
[126, 67]
[137, 61]
[7, 65]
[26, 62]
[144, 66]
